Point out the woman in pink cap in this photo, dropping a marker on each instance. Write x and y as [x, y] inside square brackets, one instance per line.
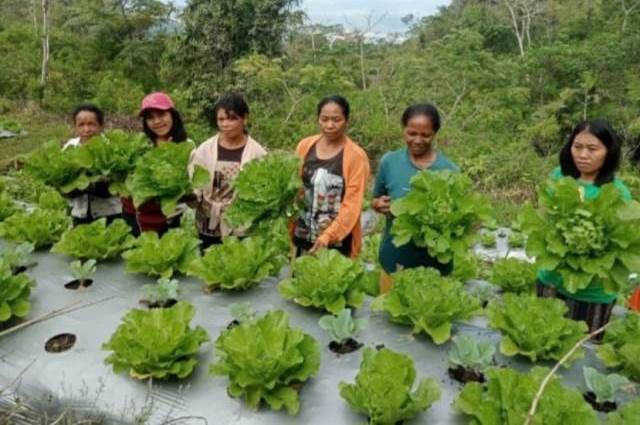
[162, 123]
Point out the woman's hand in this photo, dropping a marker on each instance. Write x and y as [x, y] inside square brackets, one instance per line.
[382, 204]
[319, 245]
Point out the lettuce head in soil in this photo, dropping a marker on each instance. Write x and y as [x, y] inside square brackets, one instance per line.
[15, 290]
[585, 241]
[621, 345]
[384, 388]
[265, 360]
[96, 240]
[411, 302]
[441, 212]
[506, 397]
[156, 343]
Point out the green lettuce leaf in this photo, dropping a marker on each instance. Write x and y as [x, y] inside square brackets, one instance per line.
[265, 359]
[441, 212]
[584, 240]
[156, 343]
[514, 275]
[41, 227]
[428, 302]
[161, 174]
[506, 398]
[327, 280]
[95, 240]
[535, 327]
[384, 388]
[629, 414]
[238, 264]
[621, 345]
[265, 189]
[65, 170]
[14, 292]
[162, 256]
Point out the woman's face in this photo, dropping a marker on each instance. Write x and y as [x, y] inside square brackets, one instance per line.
[588, 153]
[419, 135]
[86, 125]
[230, 124]
[333, 123]
[160, 122]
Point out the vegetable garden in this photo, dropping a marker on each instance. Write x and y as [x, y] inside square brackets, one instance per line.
[243, 334]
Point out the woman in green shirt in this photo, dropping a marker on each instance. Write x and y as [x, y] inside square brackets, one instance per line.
[591, 156]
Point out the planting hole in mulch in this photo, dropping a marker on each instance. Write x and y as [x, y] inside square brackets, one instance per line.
[345, 346]
[60, 343]
[164, 304]
[379, 347]
[606, 407]
[464, 375]
[78, 283]
[232, 324]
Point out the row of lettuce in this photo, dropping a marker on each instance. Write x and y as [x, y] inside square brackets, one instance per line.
[581, 239]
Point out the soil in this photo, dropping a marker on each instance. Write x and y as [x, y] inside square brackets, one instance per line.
[164, 304]
[18, 269]
[606, 407]
[60, 343]
[232, 324]
[345, 346]
[78, 283]
[464, 375]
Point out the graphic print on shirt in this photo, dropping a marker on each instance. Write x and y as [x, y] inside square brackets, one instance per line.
[322, 198]
[221, 191]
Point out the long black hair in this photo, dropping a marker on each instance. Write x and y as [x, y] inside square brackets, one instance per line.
[602, 130]
[177, 134]
[338, 100]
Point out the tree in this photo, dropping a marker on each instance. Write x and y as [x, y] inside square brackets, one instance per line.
[218, 32]
[522, 13]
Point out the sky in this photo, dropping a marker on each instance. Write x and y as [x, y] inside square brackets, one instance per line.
[354, 13]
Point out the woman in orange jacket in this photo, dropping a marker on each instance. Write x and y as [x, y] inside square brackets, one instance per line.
[334, 174]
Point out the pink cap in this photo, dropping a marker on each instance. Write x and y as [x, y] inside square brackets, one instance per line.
[156, 100]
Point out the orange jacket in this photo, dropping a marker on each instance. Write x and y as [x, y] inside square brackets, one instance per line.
[355, 171]
[634, 301]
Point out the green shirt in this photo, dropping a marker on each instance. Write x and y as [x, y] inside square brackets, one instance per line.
[393, 179]
[594, 293]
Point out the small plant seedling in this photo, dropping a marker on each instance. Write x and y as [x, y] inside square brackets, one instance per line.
[18, 257]
[516, 240]
[603, 388]
[484, 294]
[164, 293]
[488, 240]
[343, 329]
[469, 358]
[241, 312]
[82, 273]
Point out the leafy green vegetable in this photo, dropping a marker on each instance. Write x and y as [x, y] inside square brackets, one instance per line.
[237, 264]
[467, 267]
[621, 345]
[114, 156]
[471, 354]
[371, 248]
[535, 327]
[507, 396]
[7, 206]
[64, 170]
[265, 189]
[412, 301]
[516, 240]
[384, 388]
[242, 312]
[342, 326]
[162, 256]
[40, 227]
[513, 275]
[18, 255]
[23, 187]
[14, 293]
[161, 174]
[584, 240]
[441, 212]
[161, 291]
[328, 280]
[629, 414]
[156, 343]
[488, 240]
[83, 270]
[263, 358]
[95, 240]
[605, 387]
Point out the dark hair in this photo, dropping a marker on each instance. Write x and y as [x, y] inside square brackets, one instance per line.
[603, 131]
[177, 134]
[231, 103]
[338, 100]
[89, 107]
[426, 109]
